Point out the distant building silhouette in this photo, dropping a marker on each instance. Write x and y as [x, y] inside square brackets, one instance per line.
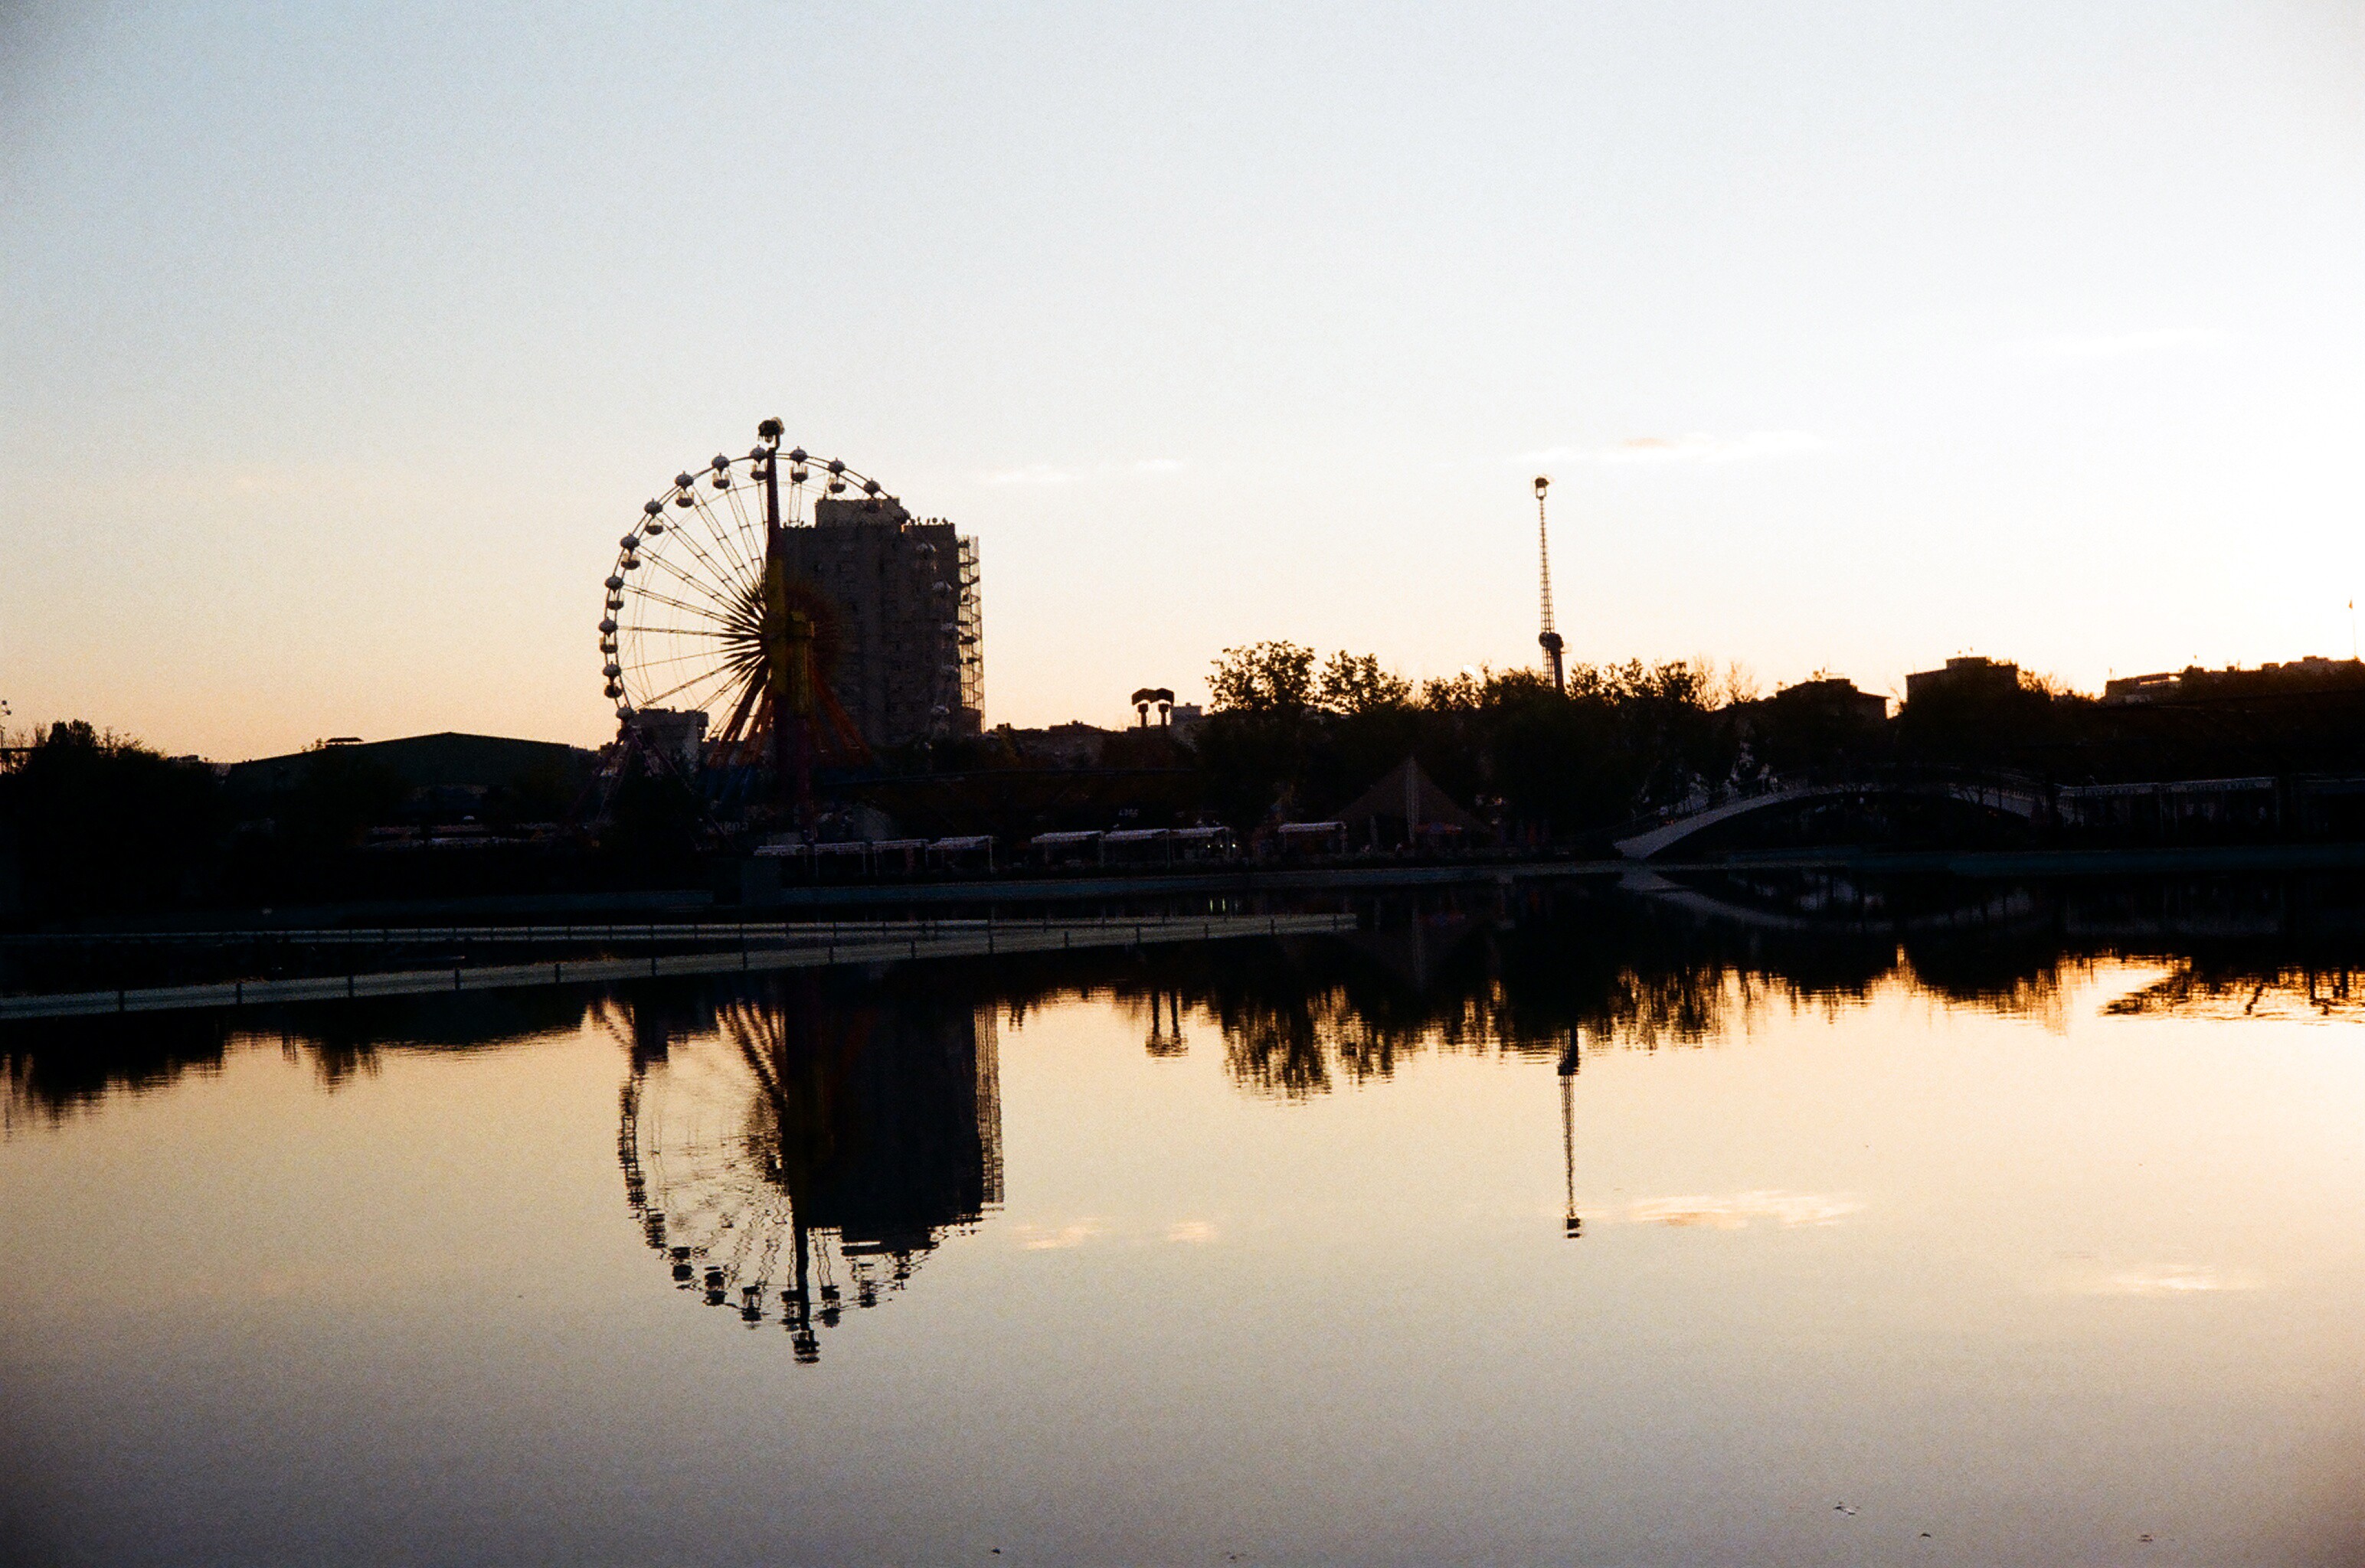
[678, 736]
[1072, 744]
[1839, 696]
[1406, 809]
[2193, 684]
[1972, 676]
[448, 758]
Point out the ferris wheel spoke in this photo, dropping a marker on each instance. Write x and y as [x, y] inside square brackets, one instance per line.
[736, 726]
[700, 573]
[746, 1241]
[709, 684]
[736, 574]
[733, 663]
[698, 679]
[704, 656]
[719, 591]
[733, 631]
[652, 651]
[749, 535]
[743, 567]
[687, 608]
[698, 584]
[770, 1261]
[704, 692]
[734, 525]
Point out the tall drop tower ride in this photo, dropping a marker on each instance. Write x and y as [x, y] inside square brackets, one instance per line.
[1548, 639]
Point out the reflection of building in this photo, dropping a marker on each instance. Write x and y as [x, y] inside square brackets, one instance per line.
[908, 659]
[797, 1155]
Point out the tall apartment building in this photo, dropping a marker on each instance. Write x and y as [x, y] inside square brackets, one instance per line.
[908, 656]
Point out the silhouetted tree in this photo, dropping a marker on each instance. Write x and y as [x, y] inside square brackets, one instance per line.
[1284, 735]
[102, 823]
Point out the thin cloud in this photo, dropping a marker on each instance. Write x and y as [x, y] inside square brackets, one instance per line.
[1734, 1211]
[1043, 1239]
[1032, 474]
[1191, 1232]
[1696, 447]
[2172, 1281]
[1052, 474]
[2116, 346]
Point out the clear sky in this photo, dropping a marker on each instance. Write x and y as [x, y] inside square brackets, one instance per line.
[339, 344]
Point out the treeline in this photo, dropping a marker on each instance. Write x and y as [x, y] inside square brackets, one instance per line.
[91, 821]
[1290, 736]
[96, 823]
[1294, 735]
[1517, 975]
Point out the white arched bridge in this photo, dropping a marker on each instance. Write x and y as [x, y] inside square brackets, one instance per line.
[2015, 796]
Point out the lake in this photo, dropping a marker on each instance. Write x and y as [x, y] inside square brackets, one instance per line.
[1773, 1221]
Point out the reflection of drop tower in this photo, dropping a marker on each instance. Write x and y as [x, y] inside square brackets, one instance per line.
[813, 1149]
[1166, 1025]
[1570, 1061]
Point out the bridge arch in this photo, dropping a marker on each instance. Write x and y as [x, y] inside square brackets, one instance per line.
[2025, 799]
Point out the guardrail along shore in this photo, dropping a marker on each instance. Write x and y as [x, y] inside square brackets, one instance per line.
[851, 943]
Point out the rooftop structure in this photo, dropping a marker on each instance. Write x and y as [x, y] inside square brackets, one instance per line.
[1072, 744]
[2194, 684]
[447, 758]
[677, 735]
[1973, 673]
[1837, 694]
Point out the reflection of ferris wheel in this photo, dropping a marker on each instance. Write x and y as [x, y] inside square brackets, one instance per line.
[703, 616]
[713, 1151]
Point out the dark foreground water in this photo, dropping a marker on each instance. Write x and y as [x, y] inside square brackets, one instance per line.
[2023, 1231]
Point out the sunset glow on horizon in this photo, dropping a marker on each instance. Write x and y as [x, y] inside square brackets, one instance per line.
[343, 343]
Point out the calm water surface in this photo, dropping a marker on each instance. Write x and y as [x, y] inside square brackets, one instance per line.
[1477, 1240]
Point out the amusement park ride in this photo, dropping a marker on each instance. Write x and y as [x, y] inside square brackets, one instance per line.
[722, 651]
[790, 1159]
[1572, 1061]
[1548, 639]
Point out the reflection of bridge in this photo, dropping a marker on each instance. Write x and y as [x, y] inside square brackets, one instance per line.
[2015, 796]
[2009, 907]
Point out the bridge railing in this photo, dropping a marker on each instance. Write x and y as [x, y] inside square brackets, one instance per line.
[2023, 793]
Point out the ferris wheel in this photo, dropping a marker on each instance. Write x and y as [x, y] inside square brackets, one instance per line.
[703, 621]
[714, 1143]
